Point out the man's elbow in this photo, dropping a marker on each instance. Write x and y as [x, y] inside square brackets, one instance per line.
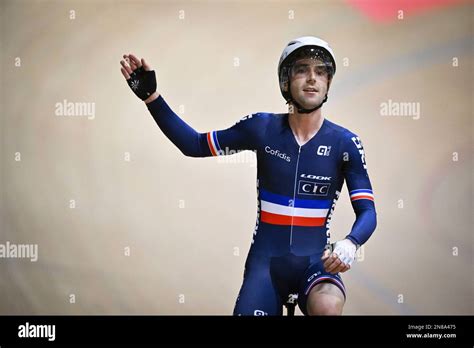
[190, 152]
[374, 218]
[194, 148]
[369, 216]
[187, 152]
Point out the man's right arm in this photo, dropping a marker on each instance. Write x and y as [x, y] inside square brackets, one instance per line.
[241, 136]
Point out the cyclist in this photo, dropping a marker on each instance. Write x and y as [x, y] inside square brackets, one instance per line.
[303, 160]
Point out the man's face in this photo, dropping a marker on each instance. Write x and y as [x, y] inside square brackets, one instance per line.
[309, 82]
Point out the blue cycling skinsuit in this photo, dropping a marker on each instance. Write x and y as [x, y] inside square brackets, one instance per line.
[298, 187]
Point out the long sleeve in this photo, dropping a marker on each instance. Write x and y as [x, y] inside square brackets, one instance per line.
[360, 189]
[241, 136]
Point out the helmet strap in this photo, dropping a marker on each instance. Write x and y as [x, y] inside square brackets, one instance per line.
[302, 110]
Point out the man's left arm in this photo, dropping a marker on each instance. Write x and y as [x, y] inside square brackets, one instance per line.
[354, 168]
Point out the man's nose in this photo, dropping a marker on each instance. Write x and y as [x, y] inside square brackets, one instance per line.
[311, 76]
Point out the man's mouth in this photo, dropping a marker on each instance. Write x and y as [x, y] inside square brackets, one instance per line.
[310, 90]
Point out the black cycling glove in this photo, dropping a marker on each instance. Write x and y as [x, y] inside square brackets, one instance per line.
[142, 82]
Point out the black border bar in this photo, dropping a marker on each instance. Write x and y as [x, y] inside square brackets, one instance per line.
[222, 330]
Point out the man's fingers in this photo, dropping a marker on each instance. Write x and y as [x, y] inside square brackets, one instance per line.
[333, 268]
[332, 257]
[339, 268]
[135, 61]
[333, 265]
[145, 65]
[346, 268]
[325, 255]
[131, 62]
[126, 67]
[125, 73]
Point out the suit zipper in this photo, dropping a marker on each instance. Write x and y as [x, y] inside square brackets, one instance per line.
[294, 196]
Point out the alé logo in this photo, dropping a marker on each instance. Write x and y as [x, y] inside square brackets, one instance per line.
[323, 150]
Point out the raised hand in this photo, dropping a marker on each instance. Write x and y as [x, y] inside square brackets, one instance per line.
[140, 77]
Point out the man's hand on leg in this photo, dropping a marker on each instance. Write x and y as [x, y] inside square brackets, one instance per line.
[333, 264]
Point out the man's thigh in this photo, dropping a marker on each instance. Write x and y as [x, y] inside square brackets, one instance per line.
[258, 296]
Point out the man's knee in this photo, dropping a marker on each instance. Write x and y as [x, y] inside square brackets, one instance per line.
[325, 300]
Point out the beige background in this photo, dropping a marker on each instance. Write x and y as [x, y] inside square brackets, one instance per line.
[199, 250]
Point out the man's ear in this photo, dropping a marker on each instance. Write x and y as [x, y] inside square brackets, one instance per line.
[329, 83]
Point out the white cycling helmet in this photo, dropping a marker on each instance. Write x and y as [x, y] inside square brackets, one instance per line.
[304, 47]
